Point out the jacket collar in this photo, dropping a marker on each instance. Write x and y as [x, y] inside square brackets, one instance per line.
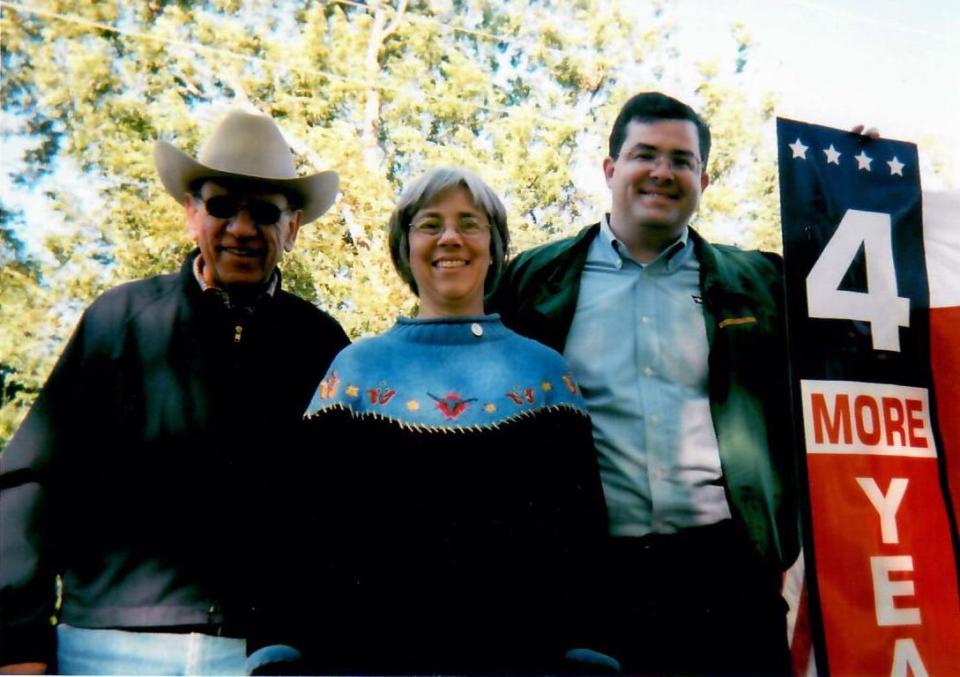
[193, 282]
[571, 259]
[716, 275]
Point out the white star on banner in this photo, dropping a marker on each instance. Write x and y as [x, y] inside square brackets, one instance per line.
[896, 167]
[833, 155]
[799, 150]
[863, 161]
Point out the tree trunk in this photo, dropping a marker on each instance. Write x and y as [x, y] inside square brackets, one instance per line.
[379, 32]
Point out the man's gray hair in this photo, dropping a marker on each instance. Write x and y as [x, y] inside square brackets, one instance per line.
[426, 190]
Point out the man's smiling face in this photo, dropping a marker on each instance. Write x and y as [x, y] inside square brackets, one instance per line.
[238, 252]
[657, 178]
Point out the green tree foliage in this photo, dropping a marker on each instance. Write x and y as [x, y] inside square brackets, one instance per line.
[523, 92]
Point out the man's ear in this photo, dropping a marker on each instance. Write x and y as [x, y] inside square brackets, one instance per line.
[193, 216]
[609, 164]
[704, 180]
[293, 227]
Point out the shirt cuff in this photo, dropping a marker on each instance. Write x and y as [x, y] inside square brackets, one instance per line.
[271, 655]
[592, 662]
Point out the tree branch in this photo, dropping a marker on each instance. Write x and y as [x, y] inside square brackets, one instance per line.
[395, 22]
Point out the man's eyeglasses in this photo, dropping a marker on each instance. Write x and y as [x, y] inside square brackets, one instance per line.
[434, 227]
[676, 163]
[261, 212]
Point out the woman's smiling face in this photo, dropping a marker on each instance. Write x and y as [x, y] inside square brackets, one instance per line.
[450, 254]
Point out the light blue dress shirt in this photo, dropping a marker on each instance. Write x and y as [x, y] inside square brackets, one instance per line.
[638, 349]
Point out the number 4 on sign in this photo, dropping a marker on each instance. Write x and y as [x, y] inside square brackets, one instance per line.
[880, 306]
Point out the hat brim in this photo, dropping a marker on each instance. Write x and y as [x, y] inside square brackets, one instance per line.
[315, 193]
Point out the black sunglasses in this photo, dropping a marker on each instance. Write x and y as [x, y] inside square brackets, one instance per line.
[262, 213]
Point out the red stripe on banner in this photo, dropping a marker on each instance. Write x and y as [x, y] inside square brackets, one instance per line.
[945, 362]
[878, 525]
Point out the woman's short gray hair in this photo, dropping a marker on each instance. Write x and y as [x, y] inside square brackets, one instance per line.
[424, 191]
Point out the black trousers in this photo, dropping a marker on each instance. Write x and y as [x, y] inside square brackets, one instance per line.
[699, 602]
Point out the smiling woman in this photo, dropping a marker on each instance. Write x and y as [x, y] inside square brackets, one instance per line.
[467, 469]
[450, 254]
[448, 238]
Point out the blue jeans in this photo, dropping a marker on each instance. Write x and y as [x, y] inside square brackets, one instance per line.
[84, 651]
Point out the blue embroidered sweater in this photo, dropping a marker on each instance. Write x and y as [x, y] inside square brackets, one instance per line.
[448, 373]
[457, 492]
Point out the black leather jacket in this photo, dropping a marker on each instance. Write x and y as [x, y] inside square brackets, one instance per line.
[154, 446]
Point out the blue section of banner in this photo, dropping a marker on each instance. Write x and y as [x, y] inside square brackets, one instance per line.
[824, 173]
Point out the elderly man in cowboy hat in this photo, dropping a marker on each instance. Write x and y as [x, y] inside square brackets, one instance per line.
[155, 448]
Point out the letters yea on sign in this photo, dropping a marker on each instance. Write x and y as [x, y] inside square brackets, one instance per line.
[857, 302]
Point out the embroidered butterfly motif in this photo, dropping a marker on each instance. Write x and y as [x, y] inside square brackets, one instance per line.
[520, 395]
[381, 394]
[329, 385]
[452, 405]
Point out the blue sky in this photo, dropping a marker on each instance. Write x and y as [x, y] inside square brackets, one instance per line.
[887, 63]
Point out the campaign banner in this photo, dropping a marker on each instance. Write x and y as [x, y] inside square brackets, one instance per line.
[881, 564]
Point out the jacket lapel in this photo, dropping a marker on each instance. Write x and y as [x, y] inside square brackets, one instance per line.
[722, 289]
[556, 301]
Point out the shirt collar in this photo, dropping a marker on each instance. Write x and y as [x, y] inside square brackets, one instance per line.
[616, 252]
[221, 293]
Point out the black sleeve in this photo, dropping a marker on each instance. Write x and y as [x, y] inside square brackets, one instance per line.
[585, 525]
[303, 582]
[30, 470]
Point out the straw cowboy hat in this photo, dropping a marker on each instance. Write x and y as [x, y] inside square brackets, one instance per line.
[246, 146]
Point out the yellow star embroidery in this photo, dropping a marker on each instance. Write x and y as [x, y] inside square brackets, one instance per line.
[547, 386]
[490, 408]
[352, 391]
[413, 405]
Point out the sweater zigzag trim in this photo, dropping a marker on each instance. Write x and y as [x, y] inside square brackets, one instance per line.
[426, 427]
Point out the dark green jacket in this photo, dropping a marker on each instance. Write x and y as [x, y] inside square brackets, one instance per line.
[742, 294]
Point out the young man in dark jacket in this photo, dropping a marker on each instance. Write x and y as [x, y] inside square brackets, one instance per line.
[155, 448]
[679, 348]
